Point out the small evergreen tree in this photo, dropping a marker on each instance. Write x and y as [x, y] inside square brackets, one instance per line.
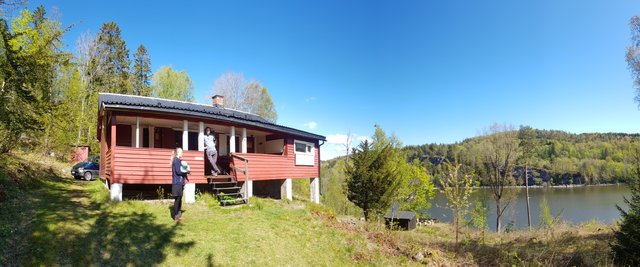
[627, 243]
[371, 182]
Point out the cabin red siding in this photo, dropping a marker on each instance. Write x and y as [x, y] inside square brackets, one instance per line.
[268, 167]
[153, 166]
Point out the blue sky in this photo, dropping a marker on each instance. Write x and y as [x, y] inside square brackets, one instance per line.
[428, 71]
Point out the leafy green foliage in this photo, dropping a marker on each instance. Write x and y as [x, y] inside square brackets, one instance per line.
[333, 187]
[553, 157]
[546, 219]
[627, 243]
[171, 84]
[456, 186]
[30, 61]
[266, 107]
[371, 183]
[378, 175]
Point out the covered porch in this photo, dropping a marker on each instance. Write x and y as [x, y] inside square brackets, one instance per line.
[137, 148]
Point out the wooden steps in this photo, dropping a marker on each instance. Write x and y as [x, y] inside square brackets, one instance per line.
[226, 189]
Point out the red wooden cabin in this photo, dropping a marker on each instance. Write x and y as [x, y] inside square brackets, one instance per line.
[137, 135]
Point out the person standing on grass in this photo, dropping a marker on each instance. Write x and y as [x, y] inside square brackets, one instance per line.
[178, 178]
[212, 153]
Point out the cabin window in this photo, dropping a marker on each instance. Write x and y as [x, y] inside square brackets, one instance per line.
[305, 154]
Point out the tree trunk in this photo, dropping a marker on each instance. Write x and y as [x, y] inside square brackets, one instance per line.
[366, 215]
[526, 182]
[498, 216]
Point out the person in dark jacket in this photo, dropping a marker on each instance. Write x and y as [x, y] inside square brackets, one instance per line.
[178, 179]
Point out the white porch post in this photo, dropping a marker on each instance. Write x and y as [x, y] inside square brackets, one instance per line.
[286, 189]
[185, 135]
[152, 136]
[232, 140]
[201, 136]
[243, 146]
[137, 132]
[189, 188]
[315, 190]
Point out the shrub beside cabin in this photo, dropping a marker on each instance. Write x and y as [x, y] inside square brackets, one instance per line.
[137, 135]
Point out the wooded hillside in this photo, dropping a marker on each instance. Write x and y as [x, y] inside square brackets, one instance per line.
[555, 157]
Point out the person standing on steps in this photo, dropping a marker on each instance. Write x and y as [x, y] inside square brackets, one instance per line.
[212, 153]
[178, 179]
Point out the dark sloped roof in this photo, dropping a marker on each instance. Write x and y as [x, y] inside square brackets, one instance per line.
[151, 104]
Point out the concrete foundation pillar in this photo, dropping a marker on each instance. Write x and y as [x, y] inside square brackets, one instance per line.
[286, 189]
[315, 190]
[248, 186]
[190, 193]
[116, 192]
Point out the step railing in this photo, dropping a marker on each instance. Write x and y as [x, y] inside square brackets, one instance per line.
[244, 171]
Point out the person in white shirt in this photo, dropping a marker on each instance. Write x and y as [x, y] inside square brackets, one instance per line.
[212, 153]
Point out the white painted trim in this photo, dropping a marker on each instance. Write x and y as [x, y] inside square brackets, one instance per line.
[185, 135]
[201, 136]
[232, 140]
[311, 145]
[307, 158]
[137, 132]
[315, 190]
[243, 145]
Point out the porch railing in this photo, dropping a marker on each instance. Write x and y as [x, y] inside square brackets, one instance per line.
[244, 171]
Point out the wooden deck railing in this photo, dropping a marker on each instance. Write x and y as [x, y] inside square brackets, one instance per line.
[244, 171]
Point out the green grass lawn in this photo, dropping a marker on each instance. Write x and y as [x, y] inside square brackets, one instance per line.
[52, 219]
[49, 219]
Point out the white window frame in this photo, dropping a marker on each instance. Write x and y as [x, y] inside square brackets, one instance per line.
[305, 158]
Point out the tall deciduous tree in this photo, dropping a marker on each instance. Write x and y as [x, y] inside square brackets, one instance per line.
[86, 52]
[113, 59]
[627, 243]
[34, 56]
[171, 84]
[499, 151]
[633, 54]
[141, 72]
[249, 96]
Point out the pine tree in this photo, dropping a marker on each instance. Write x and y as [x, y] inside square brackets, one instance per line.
[113, 60]
[371, 184]
[141, 72]
[627, 243]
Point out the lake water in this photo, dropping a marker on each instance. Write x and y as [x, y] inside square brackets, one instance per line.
[572, 204]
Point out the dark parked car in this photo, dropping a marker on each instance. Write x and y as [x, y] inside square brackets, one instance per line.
[87, 169]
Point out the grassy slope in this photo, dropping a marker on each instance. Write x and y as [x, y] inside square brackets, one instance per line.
[55, 220]
[50, 219]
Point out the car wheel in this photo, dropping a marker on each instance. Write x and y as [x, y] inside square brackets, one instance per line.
[88, 176]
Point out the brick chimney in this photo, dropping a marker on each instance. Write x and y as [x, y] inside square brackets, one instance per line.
[218, 100]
